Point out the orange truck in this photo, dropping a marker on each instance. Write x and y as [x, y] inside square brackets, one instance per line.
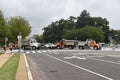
[66, 44]
[89, 44]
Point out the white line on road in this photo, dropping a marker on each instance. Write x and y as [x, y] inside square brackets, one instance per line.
[33, 52]
[75, 57]
[44, 51]
[28, 69]
[27, 52]
[104, 60]
[80, 67]
[39, 51]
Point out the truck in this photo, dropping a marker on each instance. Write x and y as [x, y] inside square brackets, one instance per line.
[71, 44]
[89, 44]
[28, 43]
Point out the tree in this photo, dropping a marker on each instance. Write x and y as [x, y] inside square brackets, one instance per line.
[99, 22]
[16, 25]
[70, 34]
[87, 32]
[90, 32]
[2, 28]
[103, 24]
[117, 37]
[115, 34]
[70, 23]
[39, 38]
[83, 19]
[54, 31]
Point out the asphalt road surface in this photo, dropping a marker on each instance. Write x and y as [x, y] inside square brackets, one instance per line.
[75, 64]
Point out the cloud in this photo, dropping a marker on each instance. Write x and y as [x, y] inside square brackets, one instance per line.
[41, 13]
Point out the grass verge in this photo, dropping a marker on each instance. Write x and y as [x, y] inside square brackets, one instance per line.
[1, 53]
[8, 70]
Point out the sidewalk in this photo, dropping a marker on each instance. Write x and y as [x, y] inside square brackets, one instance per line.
[3, 58]
[21, 72]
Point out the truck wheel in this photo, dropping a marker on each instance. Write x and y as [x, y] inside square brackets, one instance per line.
[71, 47]
[96, 48]
[33, 47]
[81, 47]
[23, 48]
[59, 47]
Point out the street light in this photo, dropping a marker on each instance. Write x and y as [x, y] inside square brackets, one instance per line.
[19, 37]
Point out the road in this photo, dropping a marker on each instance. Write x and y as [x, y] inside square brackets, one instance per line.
[75, 64]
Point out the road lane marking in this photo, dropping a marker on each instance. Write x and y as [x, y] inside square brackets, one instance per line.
[56, 53]
[76, 57]
[68, 57]
[33, 52]
[105, 77]
[30, 77]
[27, 52]
[116, 56]
[93, 56]
[39, 51]
[104, 60]
[44, 51]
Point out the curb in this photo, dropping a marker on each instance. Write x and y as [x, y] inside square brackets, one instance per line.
[28, 69]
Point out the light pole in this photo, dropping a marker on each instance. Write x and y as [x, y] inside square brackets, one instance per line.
[19, 41]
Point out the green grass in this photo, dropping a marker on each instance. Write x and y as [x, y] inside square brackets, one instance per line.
[8, 70]
[1, 53]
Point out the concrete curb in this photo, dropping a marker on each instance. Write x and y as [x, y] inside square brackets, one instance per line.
[28, 69]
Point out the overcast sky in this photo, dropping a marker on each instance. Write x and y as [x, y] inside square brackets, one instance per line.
[40, 13]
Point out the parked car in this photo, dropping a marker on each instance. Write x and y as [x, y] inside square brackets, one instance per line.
[50, 45]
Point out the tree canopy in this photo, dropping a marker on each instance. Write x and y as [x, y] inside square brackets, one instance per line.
[10, 28]
[81, 28]
[17, 25]
[2, 28]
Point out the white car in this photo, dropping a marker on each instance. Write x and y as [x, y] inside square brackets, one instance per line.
[50, 45]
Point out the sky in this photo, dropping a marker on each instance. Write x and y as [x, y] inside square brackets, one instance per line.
[40, 13]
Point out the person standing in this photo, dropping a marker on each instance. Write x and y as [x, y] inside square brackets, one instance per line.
[4, 47]
[10, 47]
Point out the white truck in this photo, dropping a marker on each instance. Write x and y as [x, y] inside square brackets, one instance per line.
[30, 43]
[88, 45]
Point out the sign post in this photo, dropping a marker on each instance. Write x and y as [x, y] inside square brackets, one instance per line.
[19, 37]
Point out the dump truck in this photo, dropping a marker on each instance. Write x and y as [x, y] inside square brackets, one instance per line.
[71, 44]
[89, 44]
[28, 43]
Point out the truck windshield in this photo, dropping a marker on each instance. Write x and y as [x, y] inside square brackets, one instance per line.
[35, 41]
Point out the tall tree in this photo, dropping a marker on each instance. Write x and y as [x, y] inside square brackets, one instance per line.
[16, 25]
[90, 32]
[2, 28]
[83, 19]
[54, 31]
[103, 24]
[70, 23]
[87, 32]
